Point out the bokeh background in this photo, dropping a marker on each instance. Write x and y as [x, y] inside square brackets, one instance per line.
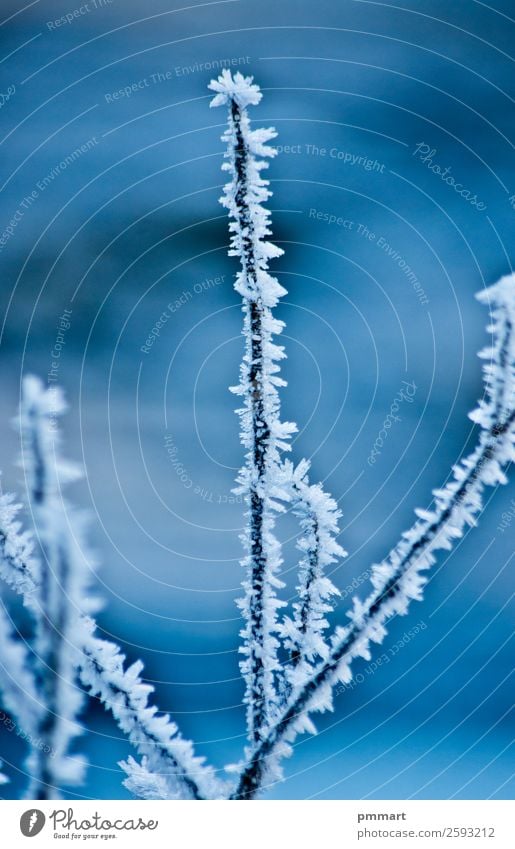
[131, 224]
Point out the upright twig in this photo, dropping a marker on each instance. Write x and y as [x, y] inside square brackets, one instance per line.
[303, 634]
[262, 433]
[169, 768]
[66, 643]
[62, 595]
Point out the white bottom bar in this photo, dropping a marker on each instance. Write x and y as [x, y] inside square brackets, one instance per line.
[260, 825]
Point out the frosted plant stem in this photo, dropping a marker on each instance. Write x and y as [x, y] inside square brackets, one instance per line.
[374, 612]
[303, 635]
[261, 437]
[41, 783]
[262, 433]
[66, 644]
[62, 591]
[169, 768]
[47, 661]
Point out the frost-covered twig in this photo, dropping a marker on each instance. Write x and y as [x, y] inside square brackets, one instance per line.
[19, 570]
[18, 566]
[18, 686]
[66, 641]
[303, 634]
[169, 763]
[399, 579]
[62, 593]
[262, 433]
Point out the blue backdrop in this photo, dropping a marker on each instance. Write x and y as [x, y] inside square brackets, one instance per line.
[394, 202]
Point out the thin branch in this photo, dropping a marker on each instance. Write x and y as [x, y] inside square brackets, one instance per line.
[18, 565]
[169, 761]
[262, 433]
[18, 686]
[66, 642]
[303, 635]
[62, 592]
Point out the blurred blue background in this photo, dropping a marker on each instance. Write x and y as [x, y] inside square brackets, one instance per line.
[130, 224]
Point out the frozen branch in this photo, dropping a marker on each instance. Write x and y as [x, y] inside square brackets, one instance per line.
[18, 686]
[169, 762]
[400, 578]
[303, 634]
[66, 641]
[19, 570]
[263, 434]
[18, 566]
[62, 594]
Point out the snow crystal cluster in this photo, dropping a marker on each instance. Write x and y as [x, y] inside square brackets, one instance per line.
[169, 768]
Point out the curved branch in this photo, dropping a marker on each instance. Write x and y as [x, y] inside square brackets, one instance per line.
[168, 759]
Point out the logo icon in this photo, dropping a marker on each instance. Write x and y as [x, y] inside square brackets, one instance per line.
[31, 822]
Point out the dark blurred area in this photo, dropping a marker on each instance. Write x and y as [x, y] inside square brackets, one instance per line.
[110, 176]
